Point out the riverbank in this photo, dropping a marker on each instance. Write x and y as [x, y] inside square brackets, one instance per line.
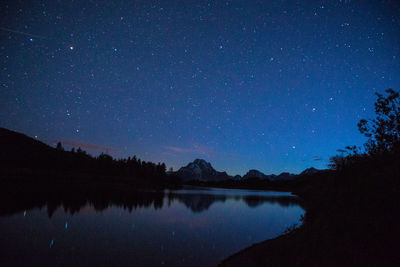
[351, 220]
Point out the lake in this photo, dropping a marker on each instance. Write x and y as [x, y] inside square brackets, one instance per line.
[193, 226]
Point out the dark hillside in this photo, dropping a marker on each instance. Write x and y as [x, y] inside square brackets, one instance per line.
[22, 157]
[20, 150]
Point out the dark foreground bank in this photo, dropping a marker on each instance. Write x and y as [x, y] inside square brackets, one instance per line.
[352, 219]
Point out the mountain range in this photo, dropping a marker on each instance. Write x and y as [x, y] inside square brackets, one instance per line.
[202, 170]
[19, 150]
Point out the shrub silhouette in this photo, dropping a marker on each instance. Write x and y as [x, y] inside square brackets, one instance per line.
[383, 135]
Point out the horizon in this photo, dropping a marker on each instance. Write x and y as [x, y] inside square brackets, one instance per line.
[276, 87]
[92, 147]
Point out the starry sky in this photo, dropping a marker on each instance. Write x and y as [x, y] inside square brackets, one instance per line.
[270, 85]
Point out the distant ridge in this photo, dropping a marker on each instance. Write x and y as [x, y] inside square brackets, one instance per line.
[201, 170]
[257, 174]
[280, 177]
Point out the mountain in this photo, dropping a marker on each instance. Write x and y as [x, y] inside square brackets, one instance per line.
[258, 174]
[285, 176]
[309, 171]
[272, 177]
[201, 170]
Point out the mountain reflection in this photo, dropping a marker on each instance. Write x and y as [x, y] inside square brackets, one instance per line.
[202, 202]
[15, 199]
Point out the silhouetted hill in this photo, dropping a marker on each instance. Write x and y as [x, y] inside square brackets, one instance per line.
[24, 157]
[17, 149]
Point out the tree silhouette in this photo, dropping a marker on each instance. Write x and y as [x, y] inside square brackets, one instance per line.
[59, 147]
[383, 132]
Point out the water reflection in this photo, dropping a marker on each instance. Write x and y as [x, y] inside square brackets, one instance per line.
[202, 202]
[72, 201]
[104, 225]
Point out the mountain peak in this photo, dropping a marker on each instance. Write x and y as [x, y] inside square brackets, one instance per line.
[202, 162]
[201, 170]
[199, 161]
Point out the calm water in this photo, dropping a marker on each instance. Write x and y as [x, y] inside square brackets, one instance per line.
[197, 227]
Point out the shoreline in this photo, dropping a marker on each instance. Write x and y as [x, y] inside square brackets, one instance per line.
[341, 227]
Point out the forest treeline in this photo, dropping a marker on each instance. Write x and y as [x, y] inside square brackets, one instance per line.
[22, 154]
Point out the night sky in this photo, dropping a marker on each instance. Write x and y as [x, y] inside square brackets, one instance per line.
[271, 85]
